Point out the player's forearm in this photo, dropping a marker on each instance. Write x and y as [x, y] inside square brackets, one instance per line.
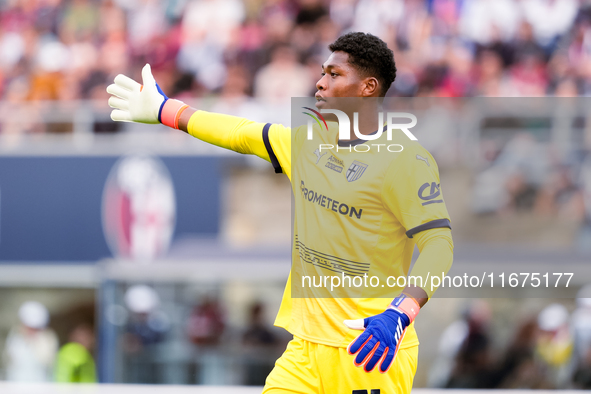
[229, 132]
[184, 119]
[147, 103]
[420, 295]
[436, 257]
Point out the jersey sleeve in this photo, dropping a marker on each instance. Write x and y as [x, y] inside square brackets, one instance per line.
[230, 132]
[268, 141]
[277, 140]
[436, 256]
[282, 144]
[412, 192]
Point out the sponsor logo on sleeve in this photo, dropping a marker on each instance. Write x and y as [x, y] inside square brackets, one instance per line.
[430, 195]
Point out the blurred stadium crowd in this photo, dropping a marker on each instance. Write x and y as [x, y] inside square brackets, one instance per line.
[549, 351]
[272, 49]
[232, 52]
[156, 341]
[32, 351]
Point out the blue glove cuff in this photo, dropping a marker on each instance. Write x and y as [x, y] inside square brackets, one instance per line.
[405, 305]
[161, 105]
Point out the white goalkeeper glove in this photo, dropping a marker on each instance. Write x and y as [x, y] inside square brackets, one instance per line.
[145, 103]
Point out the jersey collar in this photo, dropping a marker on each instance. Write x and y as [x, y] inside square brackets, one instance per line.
[357, 141]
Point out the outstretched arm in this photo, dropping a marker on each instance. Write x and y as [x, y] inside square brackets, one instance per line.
[147, 103]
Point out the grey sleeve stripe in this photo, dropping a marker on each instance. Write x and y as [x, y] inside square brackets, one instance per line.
[438, 223]
[274, 161]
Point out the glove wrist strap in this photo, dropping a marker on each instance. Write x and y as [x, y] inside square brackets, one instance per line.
[171, 112]
[407, 305]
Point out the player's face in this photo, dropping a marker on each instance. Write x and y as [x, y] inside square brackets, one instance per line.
[339, 79]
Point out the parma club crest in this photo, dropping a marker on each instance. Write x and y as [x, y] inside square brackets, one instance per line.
[355, 170]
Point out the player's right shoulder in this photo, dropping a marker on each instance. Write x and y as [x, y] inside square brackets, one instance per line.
[278, 134]
[278, 143]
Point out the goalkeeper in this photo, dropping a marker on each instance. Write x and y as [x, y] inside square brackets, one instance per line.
[386, 208]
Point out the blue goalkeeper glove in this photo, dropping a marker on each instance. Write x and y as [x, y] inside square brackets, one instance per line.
[382, 335]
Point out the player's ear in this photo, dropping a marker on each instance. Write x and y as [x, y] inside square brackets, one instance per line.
[371, 87]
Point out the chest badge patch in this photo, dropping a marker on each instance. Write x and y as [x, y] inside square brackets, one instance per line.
[355, 170]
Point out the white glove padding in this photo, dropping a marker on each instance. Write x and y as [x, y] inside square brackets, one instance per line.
[134, 102]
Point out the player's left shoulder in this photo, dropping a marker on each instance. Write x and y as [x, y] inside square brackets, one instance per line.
[414, 154]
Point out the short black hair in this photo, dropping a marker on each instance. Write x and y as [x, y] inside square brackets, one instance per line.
[370, 55]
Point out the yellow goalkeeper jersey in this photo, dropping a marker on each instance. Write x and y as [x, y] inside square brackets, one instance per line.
[356, 210]
[355, 214]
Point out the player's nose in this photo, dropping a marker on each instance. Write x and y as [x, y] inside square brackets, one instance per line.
[321, 84]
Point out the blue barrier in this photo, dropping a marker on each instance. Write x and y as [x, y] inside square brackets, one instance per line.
[50, 207]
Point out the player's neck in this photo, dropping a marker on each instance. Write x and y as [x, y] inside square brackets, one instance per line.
[367, 121]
